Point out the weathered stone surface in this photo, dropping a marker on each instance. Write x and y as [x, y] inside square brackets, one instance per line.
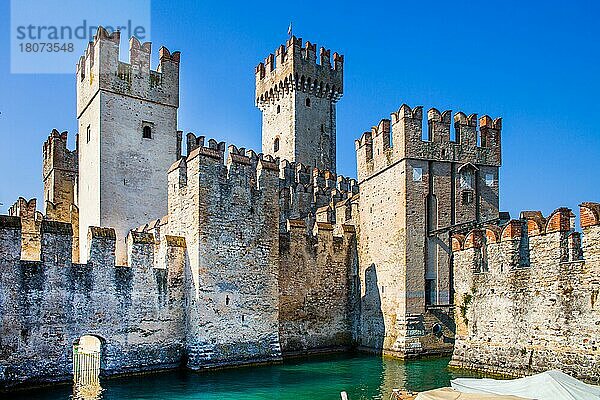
[311, 194]
[229, 215]
[528, 303]
[412, 193]
[247, 258]
[122, 174]
[317, 285]
[30, 222]
[137, 311]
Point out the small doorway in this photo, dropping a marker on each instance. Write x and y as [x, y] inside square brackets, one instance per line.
[86, 364]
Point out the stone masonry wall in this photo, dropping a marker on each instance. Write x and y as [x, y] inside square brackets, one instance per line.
[138, 312]
[229, 215]
[412, 192]
[318, 280]
[59, 173]
[527, 296]
[30, 220]
[313, 195]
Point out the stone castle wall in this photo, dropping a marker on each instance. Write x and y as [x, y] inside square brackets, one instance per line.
[527, 296]
[318, 282]
[314, 195]
[60, 172]
[256, 257]
[213, 283]
[138, 312]
[411, 193]
[229, 215]
[31, 223]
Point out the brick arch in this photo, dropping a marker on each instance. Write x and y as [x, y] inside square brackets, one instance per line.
[458, 242]
[559, 220]
[493, 234]
[589, 214]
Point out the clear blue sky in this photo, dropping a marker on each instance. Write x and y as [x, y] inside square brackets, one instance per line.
[536, 64]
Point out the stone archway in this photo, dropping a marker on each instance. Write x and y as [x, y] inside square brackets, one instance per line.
[86, 364]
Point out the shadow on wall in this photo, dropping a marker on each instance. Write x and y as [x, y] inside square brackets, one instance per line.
[372, 323]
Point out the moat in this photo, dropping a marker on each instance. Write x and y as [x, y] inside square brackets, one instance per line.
[322, 377]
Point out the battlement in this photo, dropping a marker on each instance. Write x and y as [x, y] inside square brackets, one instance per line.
[589, 214]
[335, 236]
[292, 174]
[539, 272]
[26, 210]
[56, 238]
[238, 160]
[99, 68]
[529, 240]
[475, 141]
[312, 194]
[137, 309]
[294, 67]
[60, 170]
[30, 223]
[57, 155]
[316, 285]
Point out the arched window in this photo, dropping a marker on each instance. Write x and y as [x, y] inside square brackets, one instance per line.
[276, 145]
[307, 102]
[467, 178]
[147, 133]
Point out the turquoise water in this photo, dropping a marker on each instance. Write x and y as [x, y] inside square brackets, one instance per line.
[323, 377]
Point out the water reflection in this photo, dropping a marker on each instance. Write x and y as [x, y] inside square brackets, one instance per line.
[361, 376]
[90, 391]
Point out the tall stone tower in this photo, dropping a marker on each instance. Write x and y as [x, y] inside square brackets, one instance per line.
[128, 136]
[60, 177]
[297, 97]
[413, 194]
[60, 172]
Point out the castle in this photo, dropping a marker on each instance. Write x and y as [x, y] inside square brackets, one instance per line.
[223, 256]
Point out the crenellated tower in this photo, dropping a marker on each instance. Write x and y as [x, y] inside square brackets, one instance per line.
[415, 190]
[60, 177]
[297, 96]
[128, 136]
[60, 171]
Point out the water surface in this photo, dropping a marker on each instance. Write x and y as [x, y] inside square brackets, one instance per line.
[316, 378]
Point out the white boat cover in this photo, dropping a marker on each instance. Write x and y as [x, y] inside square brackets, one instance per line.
[451, 394]
[549, 385]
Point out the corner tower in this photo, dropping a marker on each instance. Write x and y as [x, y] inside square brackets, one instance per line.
[297, 97]
[414, 194]
[128, 135]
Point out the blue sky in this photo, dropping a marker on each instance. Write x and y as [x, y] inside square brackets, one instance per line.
[536, 64]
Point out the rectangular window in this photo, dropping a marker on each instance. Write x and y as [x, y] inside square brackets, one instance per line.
[467, 197]
[489, 179]
[417, 174]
